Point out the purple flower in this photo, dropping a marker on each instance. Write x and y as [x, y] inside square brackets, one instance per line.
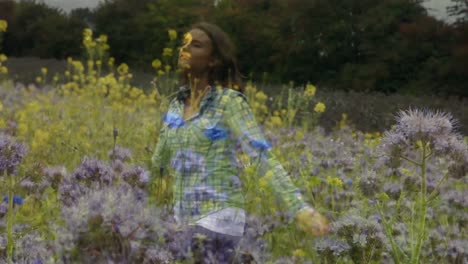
[434, 128]
[3, 209]
[377, 218]
[18, 200]
[216, 133]
[136, 176]
[93, 170]
[173, 120]
[11, 154]
[55, 175]
[38, 261]
[120, 153]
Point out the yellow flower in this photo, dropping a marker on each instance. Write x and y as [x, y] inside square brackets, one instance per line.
[3, 25]
[102, 38]
[172, 34]
[3, 57]
[299, 253]
[261, 96]
[40, 138]
[167, 52]
[276, 121]
[87, 33]
[38, 79]
[334, 181]
[111, 61]
[310, 90]
[3, 70]
[122, 69]
[319, 107]
[187, 40]
[44, 70]
[156, 64]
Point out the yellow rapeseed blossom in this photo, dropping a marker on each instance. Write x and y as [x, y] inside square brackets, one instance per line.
[87, 32]
[3, 57]
[334, 181]
[102, 38]
[172, 34]
[156, 64]
[319, 107]
[276, 121]
[111, 61]
[167, 52]
[38, 79]
[40, 138]
[310, 90]
[3, 70]
[187, 40]
[122, 69]
[3, 25]
[299, 253]
[261, 96]
[44, 70]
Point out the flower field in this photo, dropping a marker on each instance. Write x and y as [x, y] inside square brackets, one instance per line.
[77, 184]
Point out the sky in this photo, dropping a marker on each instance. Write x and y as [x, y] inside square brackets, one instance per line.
[436, 7]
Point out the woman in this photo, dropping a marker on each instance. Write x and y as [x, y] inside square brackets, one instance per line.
[197, 144]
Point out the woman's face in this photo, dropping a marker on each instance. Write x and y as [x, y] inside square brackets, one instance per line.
[195, 56]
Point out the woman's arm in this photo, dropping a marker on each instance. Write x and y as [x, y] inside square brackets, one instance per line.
[243, 125]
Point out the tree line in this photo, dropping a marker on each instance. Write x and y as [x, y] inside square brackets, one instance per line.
[389, 46]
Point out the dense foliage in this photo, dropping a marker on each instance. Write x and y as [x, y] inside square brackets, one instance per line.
[360, 45]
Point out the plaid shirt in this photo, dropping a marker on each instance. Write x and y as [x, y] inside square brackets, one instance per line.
[200, 153]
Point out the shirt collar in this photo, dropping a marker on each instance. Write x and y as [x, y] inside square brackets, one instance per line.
[184, 93]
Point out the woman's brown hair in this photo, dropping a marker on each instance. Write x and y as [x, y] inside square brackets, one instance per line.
[225, 73]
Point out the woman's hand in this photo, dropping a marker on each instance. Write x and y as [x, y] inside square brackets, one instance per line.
[312, 222]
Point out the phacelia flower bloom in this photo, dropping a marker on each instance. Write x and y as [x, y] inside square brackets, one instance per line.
[11, 154]
[93, 170]
[54, 175]
[415, 128]
[136, 176]
[120, 153]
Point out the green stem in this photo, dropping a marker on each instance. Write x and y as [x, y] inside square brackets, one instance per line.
[423, 208]
[332, 199]
[396, 251]
[10, 241]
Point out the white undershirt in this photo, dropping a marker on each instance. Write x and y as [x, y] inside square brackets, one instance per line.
[229, 221]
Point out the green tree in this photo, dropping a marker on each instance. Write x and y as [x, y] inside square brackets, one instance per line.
[39, 30]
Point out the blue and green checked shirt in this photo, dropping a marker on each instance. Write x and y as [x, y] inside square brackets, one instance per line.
[200, 153]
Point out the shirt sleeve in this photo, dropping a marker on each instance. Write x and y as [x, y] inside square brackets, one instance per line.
[245, 128]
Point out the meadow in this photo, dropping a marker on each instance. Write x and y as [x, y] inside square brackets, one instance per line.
[78, 186]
